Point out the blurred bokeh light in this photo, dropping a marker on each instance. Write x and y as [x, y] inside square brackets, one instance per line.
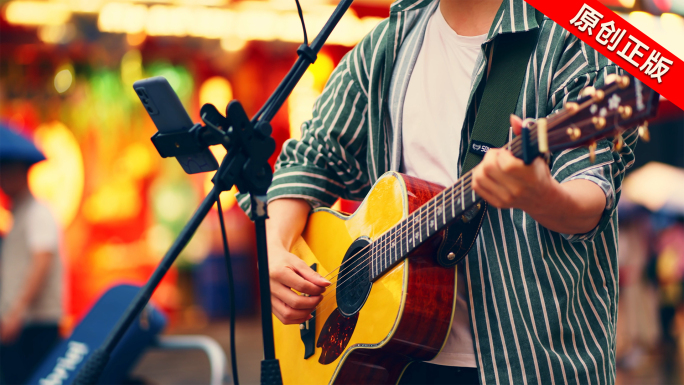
[58, 180]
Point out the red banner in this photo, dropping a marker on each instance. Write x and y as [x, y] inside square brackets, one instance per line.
[621, 42]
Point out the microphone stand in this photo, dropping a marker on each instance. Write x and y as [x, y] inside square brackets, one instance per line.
[249, 146]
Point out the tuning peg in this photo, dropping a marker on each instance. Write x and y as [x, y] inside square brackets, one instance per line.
[571, 107]
[643, 132]
[611, 78]
[623, 82]
[574, 133]
[588, 91]
[625, 111]
[599, 122]
[592, 152]
[598, 96]
[618, 143]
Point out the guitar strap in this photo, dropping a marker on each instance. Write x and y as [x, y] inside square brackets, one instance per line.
[512, 52]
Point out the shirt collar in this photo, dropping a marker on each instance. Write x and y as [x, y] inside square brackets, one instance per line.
[513, 16]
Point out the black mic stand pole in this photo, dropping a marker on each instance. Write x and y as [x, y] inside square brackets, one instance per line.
[249, 145]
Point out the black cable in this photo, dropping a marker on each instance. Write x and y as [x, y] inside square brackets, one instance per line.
[90, 372]
[288, 77]
[277, 99]
[301, 17]
[231, 288]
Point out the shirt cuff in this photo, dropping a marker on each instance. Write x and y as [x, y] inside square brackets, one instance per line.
[596, 175]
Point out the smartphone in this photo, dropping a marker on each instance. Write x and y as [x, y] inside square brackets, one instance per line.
[169, 115]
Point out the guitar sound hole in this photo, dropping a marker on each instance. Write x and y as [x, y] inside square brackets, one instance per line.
[353, 281]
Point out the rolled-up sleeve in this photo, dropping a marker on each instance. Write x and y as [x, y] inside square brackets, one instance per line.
[608, 168]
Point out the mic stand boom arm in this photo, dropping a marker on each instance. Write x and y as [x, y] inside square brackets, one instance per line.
[249, 146]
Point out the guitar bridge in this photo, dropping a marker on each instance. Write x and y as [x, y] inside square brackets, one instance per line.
[307, 331]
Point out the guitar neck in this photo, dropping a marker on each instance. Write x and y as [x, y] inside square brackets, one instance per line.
[431, 218]
[623, 103]
[456, 202]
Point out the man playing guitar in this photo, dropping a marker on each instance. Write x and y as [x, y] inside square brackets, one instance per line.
[537, 293]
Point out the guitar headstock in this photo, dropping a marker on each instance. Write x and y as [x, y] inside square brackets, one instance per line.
[622, 104]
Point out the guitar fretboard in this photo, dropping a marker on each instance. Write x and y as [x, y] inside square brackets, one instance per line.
[616, 107]
[431, 218]
[428, 220]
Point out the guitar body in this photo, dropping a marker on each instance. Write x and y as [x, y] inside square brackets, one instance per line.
[407, 312]
[395, 295]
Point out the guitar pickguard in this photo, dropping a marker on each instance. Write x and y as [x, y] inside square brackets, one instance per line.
[335, 336]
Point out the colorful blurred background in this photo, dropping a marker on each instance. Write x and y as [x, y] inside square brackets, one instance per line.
[66, 74]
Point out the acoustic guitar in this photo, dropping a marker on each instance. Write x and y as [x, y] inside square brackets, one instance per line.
[392, 263]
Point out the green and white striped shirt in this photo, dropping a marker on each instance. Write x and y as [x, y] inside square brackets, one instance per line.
[543, 305]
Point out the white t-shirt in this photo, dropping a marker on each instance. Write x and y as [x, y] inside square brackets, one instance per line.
[34, 230]
[433, 114]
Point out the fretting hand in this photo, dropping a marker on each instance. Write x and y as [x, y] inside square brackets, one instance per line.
[573, 207]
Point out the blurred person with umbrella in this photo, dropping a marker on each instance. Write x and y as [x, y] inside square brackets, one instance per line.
[30, 267]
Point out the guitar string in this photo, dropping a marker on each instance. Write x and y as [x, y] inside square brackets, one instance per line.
[447, 200]
[354, 271]
[513, 145]
[510, 144]
[323, 304]
[465, 179]
[357, 273]
[455, 186]
[446, 203]
[379, 237]
[401, 232]
[383, 248]
[431, 209]
[516, 142]
[326, 302]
